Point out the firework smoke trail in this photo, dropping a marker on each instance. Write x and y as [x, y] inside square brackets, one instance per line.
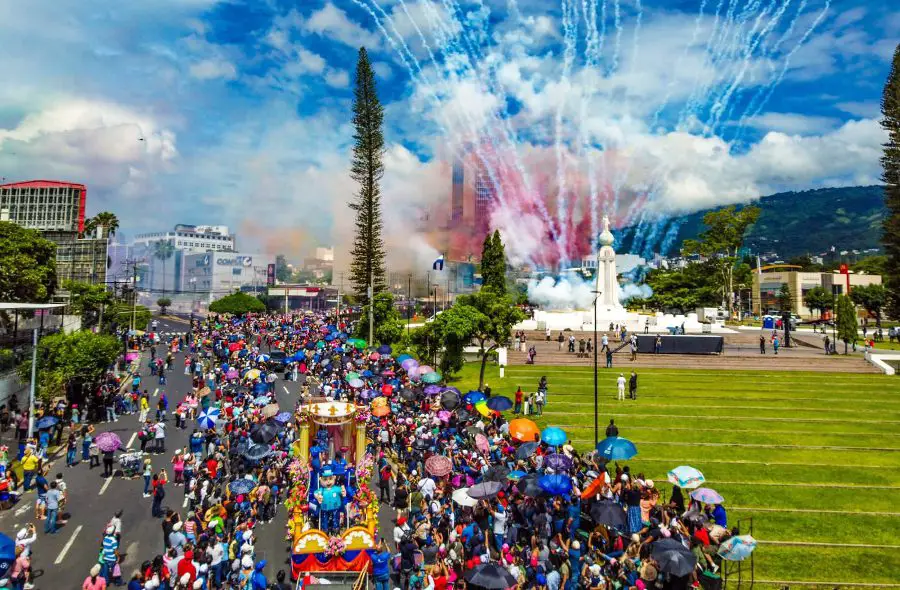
[770, 54]
[720, 105]
[569, 32]
[592, 52]
[503, 120]
[770, 89]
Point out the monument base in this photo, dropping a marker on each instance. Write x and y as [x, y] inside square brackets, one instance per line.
[583, 321]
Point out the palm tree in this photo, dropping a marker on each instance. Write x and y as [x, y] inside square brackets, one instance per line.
[105, 219]
[163, 250]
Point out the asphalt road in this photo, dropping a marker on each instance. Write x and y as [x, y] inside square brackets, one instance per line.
[64, 559]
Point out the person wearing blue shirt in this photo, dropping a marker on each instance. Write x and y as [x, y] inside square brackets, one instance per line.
[719, 516]
[381, 568]
[258, 579]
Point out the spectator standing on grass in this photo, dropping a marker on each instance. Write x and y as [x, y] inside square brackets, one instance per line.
[827, 344]
[518, 405]
[776, 343]
[632, 385]
[762, 344]
[612, 430]
[620, 386]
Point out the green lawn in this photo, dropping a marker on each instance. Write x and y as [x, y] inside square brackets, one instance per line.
[835, 438]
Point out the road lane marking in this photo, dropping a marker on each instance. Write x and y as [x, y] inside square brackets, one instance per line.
[131, 552]
[131, 440]
[155, 391]
[105, 485]
[67, 546]
[23, 509]
[286, 389]
[185, 503]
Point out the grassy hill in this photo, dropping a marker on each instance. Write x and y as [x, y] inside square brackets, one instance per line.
[807, 222]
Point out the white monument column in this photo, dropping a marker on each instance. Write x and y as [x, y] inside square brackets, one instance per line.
[607, 283]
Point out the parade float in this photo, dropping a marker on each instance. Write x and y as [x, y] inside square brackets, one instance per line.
[333, 511]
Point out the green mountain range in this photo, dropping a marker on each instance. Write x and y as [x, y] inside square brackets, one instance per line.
[807, 222]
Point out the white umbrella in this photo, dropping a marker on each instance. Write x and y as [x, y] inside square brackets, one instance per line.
[462, 497]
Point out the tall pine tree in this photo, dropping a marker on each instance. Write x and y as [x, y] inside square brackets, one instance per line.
[493, 263]
[367, 264]
[890, 108]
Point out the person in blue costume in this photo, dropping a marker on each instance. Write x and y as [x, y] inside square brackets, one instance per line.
[330, 497]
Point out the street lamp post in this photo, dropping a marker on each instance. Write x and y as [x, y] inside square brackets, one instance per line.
[596, 389]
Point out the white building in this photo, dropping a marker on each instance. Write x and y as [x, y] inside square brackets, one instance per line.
[190, 239]
[217, 275]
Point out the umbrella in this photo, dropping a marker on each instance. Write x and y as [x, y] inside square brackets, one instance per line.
[449, 400]
[490, 576]
[483, 409]
[432, 389]
[374, 356]
[7, 554]
[231, 374]
[556, 484]
[481, 443]
[387, 389]
[283, 417]
[485, 489]
[737, 548]
[262, 400]
[264, 433]
[421, 444]
[355, 383]
[695, 516]
[270, 411]
[498, 403]
[523, 430]
[46, 422]
[558, 462]
[529, 486]
[608, 513]
[463, 415]
[554, 436]
[438, 465]
[381, 411]
[385, 349]
[526, 450]
[403, 358]
[515, 475]
[108, 442]
[263, 358]
[257, 452]
[241, 486]
[496, 473]
[409, 364]
[207, 418]
[443, 415]
[432, 377]
[473, 397]
[423, 369]
[616, 448]
[707, 496]
[351, 376]
[461, 497]
[686, 477]
[673, 557]
[251, 374]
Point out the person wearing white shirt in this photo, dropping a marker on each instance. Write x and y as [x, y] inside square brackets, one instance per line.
[427, 487]
[620, 382]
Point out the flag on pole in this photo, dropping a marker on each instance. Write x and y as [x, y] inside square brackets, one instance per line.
[438, 263]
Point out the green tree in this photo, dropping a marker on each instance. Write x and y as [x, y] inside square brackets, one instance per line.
[282, 271]
[486, 318]
[785, 298]
[237, 304]
[872, 298]
[27, 265]
[890, 162]
[683, 289]
[121, 314]
[846, 321]
[87, 300]
[871, 265]
[163, 250]
[817, 299]
[493, 263]
[367, 169]
[104, 219]
[720, 242]
[387, 323]
[163, 303]
[73, 361]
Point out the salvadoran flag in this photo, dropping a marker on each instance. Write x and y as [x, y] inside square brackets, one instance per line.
[438, 263]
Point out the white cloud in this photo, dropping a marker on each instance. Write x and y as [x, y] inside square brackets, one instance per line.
[337, 78]
[212, 69]
[868, 110]
[332, 22]
[793, 123]
[383, 70]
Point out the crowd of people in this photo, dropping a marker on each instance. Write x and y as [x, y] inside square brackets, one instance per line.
[478, 496]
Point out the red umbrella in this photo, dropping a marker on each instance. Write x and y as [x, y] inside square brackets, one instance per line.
[387, 389]
[438, 465]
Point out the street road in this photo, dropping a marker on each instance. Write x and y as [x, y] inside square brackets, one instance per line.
[62, 561]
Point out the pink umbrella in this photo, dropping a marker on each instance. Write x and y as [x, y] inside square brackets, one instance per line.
[374, 356]
[438, 465]
[231, 374]
[481, 443]
[108, 441]
[461, 480]
[423, 369]
[443, 416]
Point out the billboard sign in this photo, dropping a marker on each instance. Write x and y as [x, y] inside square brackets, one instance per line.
[270, 275]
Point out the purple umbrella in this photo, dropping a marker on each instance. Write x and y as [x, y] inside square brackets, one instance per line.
[409, 364]
[432, 389]
[558, 462]
[108, 442]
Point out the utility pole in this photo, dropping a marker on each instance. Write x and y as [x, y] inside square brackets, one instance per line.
[133, 295]
[371, 310]
[340, 295]
[31, 392]
[408, 302]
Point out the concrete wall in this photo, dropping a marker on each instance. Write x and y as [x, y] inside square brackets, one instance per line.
[9, 384]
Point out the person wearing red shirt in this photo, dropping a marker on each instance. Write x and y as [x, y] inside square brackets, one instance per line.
[186, 566]
[519, 394]
[212, 465]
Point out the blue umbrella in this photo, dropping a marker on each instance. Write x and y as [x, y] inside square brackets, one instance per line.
[243, 352]
[516, 475]
[616, 448]
[367, 373]
[207, 418]
[554, 436]
[263, 358]
[257, 452]
[556, 484]
[46, 422]
[401, 358]
[260, 388]
[685, 476]
[283, 417]
[385, 349]
[473, 397]
[310, 346]
[241, 486]
[498, 403]
[7, 554]
[737, 548]
[261, 401]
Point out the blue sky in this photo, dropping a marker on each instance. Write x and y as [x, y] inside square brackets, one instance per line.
[209, 111]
